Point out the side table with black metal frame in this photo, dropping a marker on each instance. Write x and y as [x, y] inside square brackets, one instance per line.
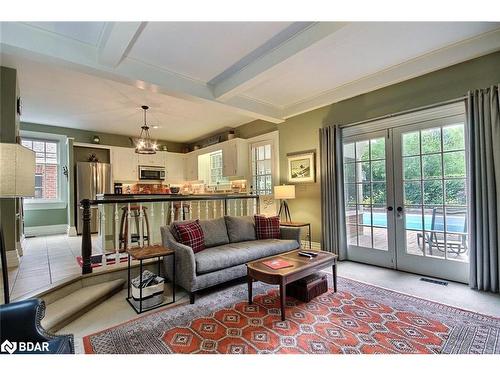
[141, 254]
[296, 224]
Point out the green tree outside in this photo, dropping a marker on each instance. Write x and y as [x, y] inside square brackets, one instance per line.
[434, 156]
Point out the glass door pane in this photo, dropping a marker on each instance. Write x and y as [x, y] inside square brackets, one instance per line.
[434, 180]
[366, 196]
[430, 180]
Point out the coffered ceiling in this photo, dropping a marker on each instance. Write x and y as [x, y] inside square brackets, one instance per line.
[202, 77]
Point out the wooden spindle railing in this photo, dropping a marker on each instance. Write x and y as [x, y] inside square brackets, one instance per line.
[214, 206]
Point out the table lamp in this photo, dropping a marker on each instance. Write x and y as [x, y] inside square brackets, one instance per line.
[17, 179]
[284, 192]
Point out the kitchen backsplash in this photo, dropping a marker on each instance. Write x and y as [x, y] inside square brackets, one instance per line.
[239, 186]
[145, 189]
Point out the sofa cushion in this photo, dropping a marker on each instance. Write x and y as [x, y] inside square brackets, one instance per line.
[267, 227]
[241, 228]
[191, 234]
[232, 254]
[215, 232]
[173, 229]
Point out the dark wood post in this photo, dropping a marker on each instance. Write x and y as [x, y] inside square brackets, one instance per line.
[5, 272]
[86, 238]
[225, 206]
[257, 198]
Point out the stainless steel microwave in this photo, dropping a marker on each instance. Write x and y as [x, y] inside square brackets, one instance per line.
[151, 173]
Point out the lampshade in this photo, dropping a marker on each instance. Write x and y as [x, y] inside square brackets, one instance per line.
[17, 171]
[284, 192]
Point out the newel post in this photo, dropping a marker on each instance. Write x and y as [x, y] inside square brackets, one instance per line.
[86, 238]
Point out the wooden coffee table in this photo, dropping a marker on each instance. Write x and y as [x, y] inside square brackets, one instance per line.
[301, 267]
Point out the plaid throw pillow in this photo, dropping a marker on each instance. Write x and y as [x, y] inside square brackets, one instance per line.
[191, 234]
[267, 227]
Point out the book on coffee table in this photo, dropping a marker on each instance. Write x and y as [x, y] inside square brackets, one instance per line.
[277, 264]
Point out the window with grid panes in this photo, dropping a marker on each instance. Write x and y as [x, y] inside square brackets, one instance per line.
[262, 177]
[216, 169]
[46, 169]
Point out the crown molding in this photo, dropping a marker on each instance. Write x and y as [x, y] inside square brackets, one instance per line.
[456, 53]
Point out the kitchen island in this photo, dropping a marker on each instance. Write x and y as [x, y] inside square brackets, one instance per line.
[128, 220]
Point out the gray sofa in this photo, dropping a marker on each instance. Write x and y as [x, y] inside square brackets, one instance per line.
[230, 243]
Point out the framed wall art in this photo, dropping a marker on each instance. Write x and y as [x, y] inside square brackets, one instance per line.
[302, 166]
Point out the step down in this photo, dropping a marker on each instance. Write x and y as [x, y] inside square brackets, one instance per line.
[63, 311]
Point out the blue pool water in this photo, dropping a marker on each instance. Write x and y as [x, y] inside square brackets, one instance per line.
[414, 222]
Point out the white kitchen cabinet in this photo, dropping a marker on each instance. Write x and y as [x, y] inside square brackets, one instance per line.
[235, 158]
[229, 159]
[191, 167]
[124, 164]
[175, 167]
[154, 160]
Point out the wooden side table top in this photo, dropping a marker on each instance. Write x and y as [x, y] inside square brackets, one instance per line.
[293, 224]
[299, 263]
[147, 252]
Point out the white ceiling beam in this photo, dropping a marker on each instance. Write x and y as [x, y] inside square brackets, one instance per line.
[456, 53]
[261, 67]
[118, 38]
[47, 47]
[267, 111]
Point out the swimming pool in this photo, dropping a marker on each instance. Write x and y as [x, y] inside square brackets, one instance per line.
[414, 222]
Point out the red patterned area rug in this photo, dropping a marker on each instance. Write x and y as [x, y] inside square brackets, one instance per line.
[360, 318]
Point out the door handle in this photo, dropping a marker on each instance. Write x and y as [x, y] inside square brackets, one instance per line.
[400, 211]
[389, 208]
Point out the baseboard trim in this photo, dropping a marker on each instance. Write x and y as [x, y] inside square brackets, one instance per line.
[71, 231]
[12, 258]
[45, 230]
[19, 247]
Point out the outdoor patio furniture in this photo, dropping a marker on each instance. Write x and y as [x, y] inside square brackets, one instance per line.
[456, 236]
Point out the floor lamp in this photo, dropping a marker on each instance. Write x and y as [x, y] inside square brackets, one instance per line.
[17, 180]
[284, 192]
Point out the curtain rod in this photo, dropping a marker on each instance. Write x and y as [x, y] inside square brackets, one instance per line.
[450, 101]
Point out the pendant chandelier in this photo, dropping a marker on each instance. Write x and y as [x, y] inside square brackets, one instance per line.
[145, 145]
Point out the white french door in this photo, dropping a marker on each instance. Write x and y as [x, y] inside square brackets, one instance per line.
[406, 198]
[369, 190]
[431, 198]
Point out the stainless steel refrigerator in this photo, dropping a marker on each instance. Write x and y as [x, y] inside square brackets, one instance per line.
[91, 179]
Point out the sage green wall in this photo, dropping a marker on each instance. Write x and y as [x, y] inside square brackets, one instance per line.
[9, 130]
[85, 136]
[298, 133]
[55, 216]
[9, 120]
[302, 132]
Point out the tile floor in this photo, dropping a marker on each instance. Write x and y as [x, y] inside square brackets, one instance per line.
[46, 260]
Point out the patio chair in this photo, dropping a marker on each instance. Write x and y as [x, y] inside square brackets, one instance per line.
[456, 242]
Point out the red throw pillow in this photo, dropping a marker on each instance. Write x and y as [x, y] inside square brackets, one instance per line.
[267, 227]
[191, 234]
